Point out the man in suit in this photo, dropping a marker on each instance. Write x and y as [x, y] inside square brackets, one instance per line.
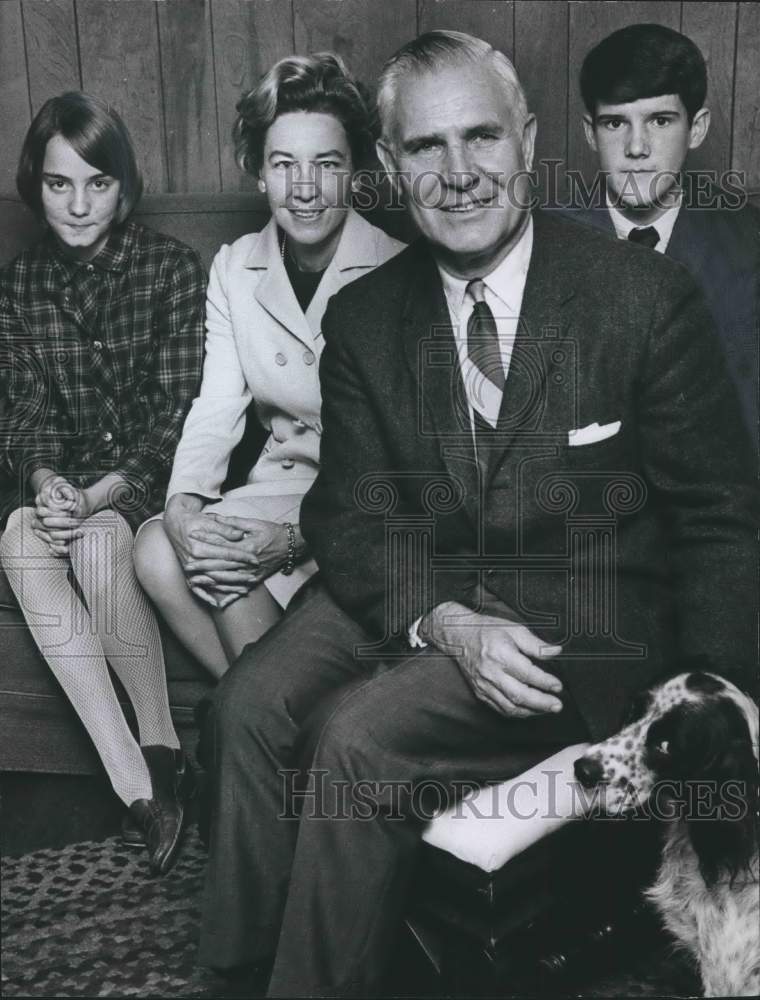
[535, 495]
[644, 88]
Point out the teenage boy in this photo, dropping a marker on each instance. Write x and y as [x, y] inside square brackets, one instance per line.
[644, 88]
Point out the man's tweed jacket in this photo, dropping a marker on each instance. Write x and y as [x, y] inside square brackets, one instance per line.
[637, 550]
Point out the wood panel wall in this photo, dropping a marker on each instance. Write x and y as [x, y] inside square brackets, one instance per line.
[175, 68]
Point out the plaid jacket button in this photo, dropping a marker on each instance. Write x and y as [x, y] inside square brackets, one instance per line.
[107, 436]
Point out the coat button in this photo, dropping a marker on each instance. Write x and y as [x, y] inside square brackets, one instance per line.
[98, 345]
[287, 463]
[90, 268]
[280, 359]
[308, 357]
[107, 436]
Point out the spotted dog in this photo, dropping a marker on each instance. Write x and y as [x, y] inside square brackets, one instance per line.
[691, 748]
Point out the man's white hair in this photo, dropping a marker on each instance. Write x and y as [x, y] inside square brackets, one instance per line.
[436, 50]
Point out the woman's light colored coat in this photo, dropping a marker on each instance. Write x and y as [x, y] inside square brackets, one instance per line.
[261, 347]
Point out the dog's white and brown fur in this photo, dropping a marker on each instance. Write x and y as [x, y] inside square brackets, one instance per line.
[695, 738]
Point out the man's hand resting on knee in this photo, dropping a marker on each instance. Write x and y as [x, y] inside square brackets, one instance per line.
[497, 658]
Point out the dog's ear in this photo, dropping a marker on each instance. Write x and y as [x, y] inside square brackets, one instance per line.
[711, 753]
[706, 740]
[723, 825]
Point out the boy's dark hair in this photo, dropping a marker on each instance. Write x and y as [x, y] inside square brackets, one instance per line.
[96, 133]
[644, 60]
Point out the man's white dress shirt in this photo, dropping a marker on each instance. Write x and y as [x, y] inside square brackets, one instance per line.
[504, 288]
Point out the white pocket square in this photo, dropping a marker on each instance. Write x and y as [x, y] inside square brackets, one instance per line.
[592, 433]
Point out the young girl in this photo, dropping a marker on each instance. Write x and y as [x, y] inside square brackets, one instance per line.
[102, 326]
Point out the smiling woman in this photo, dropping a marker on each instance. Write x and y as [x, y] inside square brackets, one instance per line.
[306, 172]
[222, 569]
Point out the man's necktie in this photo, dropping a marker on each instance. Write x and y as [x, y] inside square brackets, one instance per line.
[647, 236]
[485, 354]
[483, 338]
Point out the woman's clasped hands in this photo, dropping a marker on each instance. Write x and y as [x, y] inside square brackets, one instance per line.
[224, 557]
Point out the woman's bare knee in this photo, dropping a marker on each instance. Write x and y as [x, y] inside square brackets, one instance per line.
[156, 563]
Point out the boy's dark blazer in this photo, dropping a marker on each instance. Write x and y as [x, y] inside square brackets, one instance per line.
[721, 248]
[607, 333]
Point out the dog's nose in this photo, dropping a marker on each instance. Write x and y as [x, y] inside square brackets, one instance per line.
[589, 771]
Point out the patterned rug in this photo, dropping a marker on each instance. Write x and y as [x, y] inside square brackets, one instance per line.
[88, 921]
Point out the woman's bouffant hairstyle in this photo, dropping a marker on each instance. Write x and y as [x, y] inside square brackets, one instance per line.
[319, 82]
[96, 132]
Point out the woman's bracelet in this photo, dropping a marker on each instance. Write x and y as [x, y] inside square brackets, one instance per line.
[290, 562]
